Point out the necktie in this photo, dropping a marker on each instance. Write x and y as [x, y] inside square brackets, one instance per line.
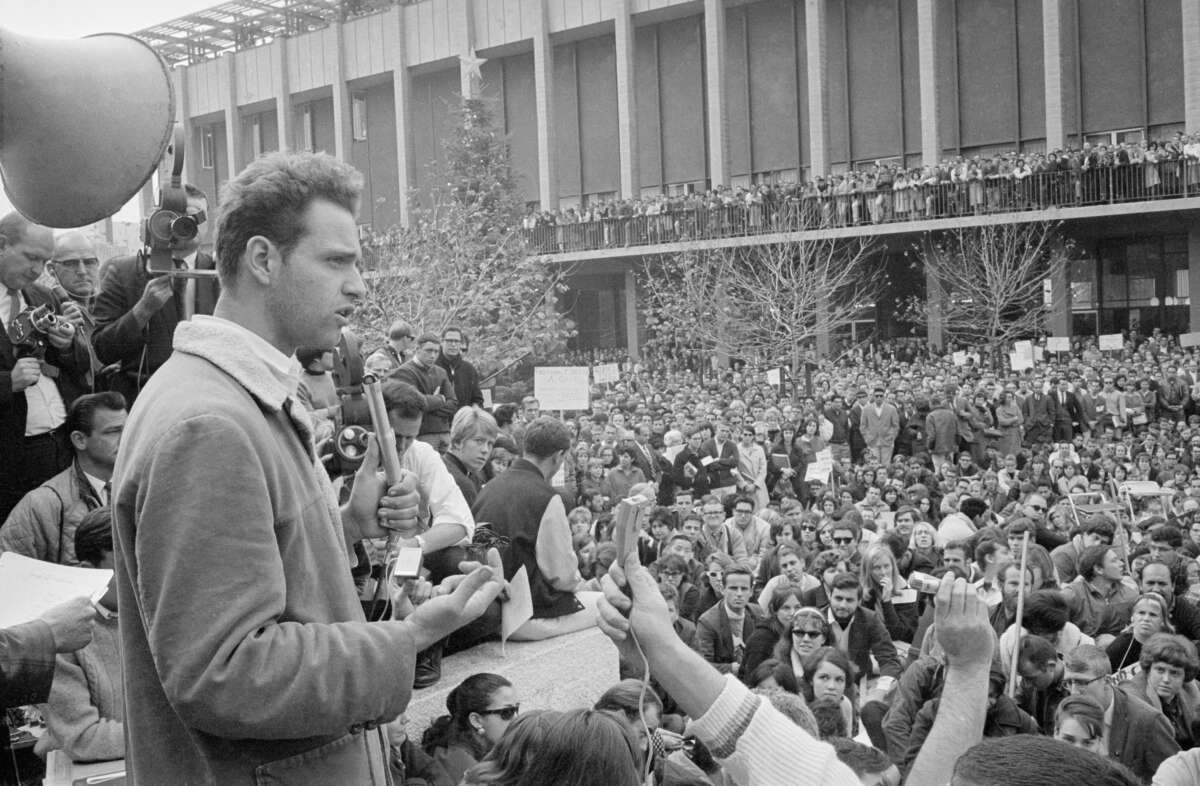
[186, 293]
[107, 493]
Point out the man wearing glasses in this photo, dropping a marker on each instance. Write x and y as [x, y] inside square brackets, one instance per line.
[1136, 734]
[716, 535]
[76, 268]
[462, 373]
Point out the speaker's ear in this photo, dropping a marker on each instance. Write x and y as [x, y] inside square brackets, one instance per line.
[83, 124]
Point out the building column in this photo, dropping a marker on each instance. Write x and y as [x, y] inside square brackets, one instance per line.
[714, 73]
[1052, 59]
[1058, 322]
[1194, 279]
[233, 119]
[342, 134]
[1191, 66]
[627, 144]
[936, 336]
[543, 76]
[927, 70]
[283, 98]
[818, 86]
[631, 320]
[462, 22]
[401, 90]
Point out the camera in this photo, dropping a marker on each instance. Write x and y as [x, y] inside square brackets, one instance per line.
[29, 329]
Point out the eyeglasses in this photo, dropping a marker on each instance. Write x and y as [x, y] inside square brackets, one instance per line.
[808, 529]
[77, 262]
[713, 512]
[504, 713]
[743, 511]
[843, 541]
[1071, 683]
[808, 634]
[1039, 508]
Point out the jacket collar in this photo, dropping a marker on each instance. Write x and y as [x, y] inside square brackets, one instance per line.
[232, 348]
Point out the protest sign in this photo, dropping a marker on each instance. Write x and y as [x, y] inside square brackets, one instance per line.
[561, 387]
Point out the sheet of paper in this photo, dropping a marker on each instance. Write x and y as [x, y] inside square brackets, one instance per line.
[1112, 342]
[518, 609]
[31, 587]
[959, 358]
[487, 398]
[774, 377]
[706, 460]
[1189, 339]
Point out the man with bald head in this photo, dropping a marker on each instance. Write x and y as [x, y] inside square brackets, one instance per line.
[76, 267]
[35, 392]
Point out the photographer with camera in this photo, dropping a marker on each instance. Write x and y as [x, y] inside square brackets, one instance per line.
[246, 654]
[43, 364]
[136, 313]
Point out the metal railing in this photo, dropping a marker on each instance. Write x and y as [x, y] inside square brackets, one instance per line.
[918, 202]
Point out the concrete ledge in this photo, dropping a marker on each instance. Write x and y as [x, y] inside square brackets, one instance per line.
[560, 673]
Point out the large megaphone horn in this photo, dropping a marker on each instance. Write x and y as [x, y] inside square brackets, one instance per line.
[83, 124]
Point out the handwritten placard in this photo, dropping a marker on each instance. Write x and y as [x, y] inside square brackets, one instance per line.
[1112, 342]
[606, 373]
[774, 378]
[1058, 344]
[1189, 339]
[959, 358]
[822, 468]
[561, 387]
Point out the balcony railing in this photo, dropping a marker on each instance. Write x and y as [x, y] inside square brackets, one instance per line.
[919, 202]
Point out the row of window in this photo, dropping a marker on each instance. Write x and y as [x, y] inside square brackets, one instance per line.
[305, 131]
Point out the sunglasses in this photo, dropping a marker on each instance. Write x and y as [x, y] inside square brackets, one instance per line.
[843, 541]
[808, 529]
[808, 634]
[504, 713]
[1039, 508]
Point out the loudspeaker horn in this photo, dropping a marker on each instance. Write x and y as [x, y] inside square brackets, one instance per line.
[83, 124]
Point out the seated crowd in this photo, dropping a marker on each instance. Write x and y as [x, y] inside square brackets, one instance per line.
[881, 193]
[943, 571]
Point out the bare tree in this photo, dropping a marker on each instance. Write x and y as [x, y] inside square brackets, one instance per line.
[767, 302]
[988, 280]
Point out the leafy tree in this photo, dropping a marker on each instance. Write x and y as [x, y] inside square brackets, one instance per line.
[463, 259]
[987, 281]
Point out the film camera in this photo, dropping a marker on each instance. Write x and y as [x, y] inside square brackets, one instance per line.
[29, 331]
[170, 223]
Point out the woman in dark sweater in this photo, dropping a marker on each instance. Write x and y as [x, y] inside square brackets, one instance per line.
[766, 635]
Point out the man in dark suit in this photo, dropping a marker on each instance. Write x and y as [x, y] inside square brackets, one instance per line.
[36, 387]
[136, 314]
[461, 372]
[722, 631]
[1039, 411]
[720, 458]
[1067, 412]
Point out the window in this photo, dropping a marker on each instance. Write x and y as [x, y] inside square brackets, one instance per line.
[208, 148]
[775, 176]
[307, 134]
[1130, 135]
[256, 136]
[358, 118]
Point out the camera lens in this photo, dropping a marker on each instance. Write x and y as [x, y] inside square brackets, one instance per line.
[184, 228]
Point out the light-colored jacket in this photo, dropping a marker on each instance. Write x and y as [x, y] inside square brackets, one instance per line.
[42, 525]
[247, 658]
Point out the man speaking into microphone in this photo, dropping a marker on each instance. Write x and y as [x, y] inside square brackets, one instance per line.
[247, 658]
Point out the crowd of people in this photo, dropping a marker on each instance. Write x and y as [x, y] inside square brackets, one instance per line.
[914, 570]
[882, 193]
